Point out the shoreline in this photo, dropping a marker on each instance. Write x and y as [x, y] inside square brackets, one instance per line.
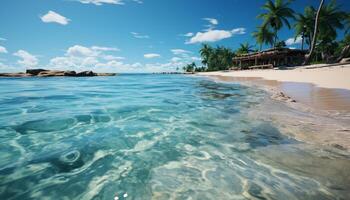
[335, 77]
[326, 123]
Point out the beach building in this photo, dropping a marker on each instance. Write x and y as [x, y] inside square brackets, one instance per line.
[269, 58]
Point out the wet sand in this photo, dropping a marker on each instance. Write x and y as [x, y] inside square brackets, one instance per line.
[319, 116]
[317, 98]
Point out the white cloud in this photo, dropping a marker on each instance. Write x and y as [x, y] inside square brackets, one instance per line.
[3, 49]
[196, 58]
[27, 59]
[238, 31]
[189, 34]
[53, 17]
[2, 39]
[181, 58]
[100, 2]
[82, 51]
[214, 35]
[112, 63]
[81, 58]
[151, 55]
[139, 36]
[98, 48]
[212, 21]
[180, 51]
[293, 41]
[175, 59]
[111, 57]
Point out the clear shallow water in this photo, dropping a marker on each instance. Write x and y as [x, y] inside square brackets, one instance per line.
[152, 137]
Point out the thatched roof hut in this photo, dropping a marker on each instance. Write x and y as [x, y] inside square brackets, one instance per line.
[270, 58]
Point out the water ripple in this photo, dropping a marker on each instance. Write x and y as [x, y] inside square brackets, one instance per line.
[152, 137]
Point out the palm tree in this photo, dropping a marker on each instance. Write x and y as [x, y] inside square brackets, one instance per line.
[244, 48]
[314, 37]
[347, 23]
[263, 36]
[281, 44]
[330, 19]
[228, 54]
[205, 53]
[327, 20]
[190, 67]
[304, 25]
[225, 56]
[344, 48]
[277, 15]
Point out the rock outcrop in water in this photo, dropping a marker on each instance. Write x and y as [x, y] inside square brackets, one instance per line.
[51, 73]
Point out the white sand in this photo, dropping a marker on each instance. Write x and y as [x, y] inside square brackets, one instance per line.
[327, 77]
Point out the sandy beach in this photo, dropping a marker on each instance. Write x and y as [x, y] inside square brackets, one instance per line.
[321, 94]
[326, 77]
[323, 88]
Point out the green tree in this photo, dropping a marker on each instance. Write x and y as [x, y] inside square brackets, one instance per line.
[190, 67]
[281, 44]
[347, 23]
[343, 50]
[304, 24]
[219, 58]
[205, 53]
[331, 18]
[263, 36]
[278, 13]
[244, 48]
[327, 20]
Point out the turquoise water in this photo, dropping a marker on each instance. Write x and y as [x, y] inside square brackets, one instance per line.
[152, 137]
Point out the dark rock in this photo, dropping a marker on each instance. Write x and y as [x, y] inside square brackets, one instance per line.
[70, 73]
[105, 74]
[35, 71]
[21, 74]
[52, 73]
[86, 73]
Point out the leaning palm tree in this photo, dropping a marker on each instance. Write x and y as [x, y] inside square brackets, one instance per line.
[278, 13]
[263, 36]
[327, 21]
[314, 37]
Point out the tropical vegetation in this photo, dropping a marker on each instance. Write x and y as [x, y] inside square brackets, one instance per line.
[318, 28]
[219, 58]
[277, 14]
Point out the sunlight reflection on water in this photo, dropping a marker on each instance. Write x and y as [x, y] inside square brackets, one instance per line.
[152, 137]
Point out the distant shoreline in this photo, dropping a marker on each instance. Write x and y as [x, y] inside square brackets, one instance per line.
[53, 73]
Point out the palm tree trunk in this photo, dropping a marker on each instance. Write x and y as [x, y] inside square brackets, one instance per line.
[275, 42]
[302, 41]
[314, 38]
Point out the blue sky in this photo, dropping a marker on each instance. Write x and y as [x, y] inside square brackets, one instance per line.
[124, 35]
